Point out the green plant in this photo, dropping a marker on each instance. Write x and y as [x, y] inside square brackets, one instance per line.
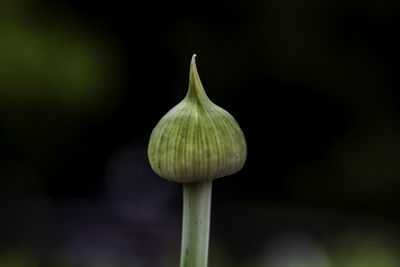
[195, 143]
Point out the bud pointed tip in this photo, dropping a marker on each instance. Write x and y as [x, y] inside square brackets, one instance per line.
[195, 87]
[193, 62]
[193, 69]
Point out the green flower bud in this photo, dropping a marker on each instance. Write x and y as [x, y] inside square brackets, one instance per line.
[196, 140]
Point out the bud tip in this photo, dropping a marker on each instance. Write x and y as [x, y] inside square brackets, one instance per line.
[194, 59]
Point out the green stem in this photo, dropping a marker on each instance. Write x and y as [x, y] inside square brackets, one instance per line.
[196, 224]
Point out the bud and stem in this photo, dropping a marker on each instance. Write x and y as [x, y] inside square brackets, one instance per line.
[195, 143]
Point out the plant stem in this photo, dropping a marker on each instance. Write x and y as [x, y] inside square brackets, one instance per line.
[196, 224]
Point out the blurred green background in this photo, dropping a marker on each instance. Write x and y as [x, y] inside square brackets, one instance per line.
[313, 84]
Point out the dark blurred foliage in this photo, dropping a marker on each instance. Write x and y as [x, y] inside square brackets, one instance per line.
[313, 84]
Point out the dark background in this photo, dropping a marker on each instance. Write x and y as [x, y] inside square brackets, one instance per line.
[313, 85]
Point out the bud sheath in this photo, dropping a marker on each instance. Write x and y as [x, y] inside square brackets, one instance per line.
[196, 140]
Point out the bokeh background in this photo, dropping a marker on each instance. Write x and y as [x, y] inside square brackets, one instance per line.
[313, 84]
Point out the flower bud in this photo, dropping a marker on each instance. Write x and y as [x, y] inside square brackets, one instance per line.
[196, 140]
